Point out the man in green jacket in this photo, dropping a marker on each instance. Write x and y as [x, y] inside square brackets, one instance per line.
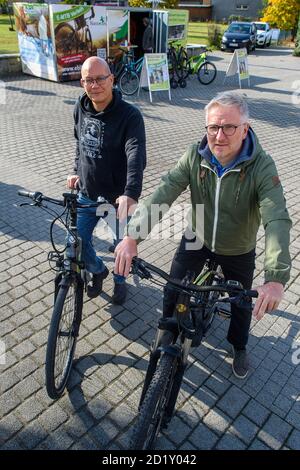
[237, 182]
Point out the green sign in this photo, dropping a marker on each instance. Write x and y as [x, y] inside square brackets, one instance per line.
[158, 73]
[70, 14]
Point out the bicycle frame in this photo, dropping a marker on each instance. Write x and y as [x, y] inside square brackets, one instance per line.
[194, 62]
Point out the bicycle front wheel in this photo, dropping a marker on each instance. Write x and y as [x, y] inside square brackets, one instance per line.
[129, 82]
[63, 332]
[149, 420]
[207, 73]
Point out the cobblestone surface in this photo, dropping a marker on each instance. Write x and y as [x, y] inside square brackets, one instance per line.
[215, 410]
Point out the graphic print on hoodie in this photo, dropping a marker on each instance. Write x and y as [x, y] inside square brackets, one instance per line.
[92, 136]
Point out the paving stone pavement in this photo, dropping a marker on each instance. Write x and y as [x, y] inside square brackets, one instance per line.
[214, 409]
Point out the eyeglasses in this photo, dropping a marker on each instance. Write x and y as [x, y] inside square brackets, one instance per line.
[98, 80]
[227, 129]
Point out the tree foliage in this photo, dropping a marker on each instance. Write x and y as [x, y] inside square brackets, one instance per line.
[282, 14]
[168, 4]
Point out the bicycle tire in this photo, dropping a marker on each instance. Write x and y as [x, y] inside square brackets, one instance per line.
[206, 73]
[63, 332]
[183, 64]
[65, 43]
[149, 420]
[129, 82]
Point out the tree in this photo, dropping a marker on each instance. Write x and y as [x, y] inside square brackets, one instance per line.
[282, 14]
[297, 45]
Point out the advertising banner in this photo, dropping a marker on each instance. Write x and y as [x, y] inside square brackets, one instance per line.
[155, 73]
[242, 60]
[117, 25]
[79, 32]
[35, 42]
[178, 26]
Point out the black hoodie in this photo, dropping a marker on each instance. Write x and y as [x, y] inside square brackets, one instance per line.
[110, 149]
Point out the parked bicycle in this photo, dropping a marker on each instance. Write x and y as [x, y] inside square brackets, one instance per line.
[197, 304]
[198, 64]
[126, 71]
[176, 58]
[70, 282]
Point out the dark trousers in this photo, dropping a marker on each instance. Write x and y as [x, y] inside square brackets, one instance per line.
[238, 268]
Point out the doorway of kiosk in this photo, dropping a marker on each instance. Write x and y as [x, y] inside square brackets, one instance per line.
[137, 29]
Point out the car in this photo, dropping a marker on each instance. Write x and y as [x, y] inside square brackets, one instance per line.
[239, 34]
[264, 34]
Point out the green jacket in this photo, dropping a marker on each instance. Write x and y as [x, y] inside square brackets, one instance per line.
[234, 205]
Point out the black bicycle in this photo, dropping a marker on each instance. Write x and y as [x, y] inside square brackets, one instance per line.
[70, 282]
[198, 301]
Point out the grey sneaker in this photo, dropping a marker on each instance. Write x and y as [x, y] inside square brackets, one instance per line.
[240, 364]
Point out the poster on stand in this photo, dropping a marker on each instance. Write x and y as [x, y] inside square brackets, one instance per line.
[79, 32]
[239, 65]
[35, 42]
[155, 74]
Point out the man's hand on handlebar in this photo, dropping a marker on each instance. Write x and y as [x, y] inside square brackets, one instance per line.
[72, 181]
[269, 297]
[124, 253]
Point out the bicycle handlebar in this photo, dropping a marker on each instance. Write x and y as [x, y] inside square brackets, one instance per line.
[38, 197]
[142, 269]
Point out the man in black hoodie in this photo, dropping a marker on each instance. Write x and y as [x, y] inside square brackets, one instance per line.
[110, 160]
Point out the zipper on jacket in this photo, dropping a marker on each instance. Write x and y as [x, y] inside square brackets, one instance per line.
[217, 197]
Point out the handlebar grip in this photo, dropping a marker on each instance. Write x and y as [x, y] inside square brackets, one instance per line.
[253, 293]
[23, 193]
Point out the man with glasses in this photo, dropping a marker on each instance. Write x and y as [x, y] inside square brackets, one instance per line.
[237, 183]
[109, 162]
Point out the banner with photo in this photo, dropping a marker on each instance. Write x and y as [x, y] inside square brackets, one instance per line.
[117, 26]
[239, 65]
[178, 21]
[155, 73]
[80, 31]
[35, 42]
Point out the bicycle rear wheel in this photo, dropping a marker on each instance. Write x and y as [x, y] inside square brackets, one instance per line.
[149, 420]
[63, 332]
[207, 73]
[129, 82]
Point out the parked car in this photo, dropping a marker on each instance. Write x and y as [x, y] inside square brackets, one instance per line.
[239, 34]
[264, 34]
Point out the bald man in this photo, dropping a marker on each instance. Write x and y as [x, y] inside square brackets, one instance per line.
[109, 162]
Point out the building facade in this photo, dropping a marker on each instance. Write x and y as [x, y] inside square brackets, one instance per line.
[221, 10]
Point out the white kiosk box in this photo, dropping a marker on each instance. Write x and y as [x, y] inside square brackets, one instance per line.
[55, 39]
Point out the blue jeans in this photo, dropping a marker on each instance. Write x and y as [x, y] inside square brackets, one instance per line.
[86, 222]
